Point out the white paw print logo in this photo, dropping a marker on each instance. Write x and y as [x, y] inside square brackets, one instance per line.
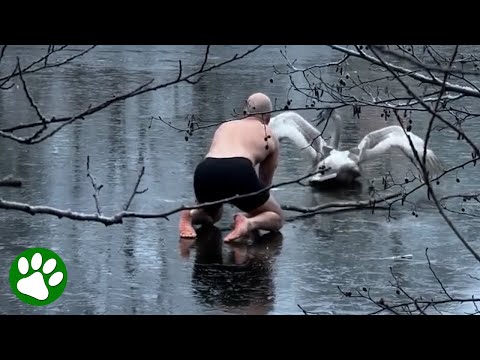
[36, 284]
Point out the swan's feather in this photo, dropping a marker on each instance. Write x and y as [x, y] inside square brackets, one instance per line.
[376, 143]
[290, 125]
[330, 115]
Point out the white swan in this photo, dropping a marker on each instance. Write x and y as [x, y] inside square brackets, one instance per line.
[344, 166]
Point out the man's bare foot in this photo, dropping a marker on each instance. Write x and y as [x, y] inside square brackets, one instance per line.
[240, 255]
[241, 228]
[185, 245]
[185, 226]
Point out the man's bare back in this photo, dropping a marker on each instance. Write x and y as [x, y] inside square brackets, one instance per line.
[247, 138]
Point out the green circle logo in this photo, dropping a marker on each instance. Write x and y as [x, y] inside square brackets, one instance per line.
[38, 276]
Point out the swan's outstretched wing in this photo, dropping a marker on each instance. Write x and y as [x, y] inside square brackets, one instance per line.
[290, 125]
[331, 115]
[376, 143]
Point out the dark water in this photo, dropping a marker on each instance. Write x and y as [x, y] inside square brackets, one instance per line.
[140, 267]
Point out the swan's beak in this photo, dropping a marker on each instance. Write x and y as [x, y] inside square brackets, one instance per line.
[317, 178]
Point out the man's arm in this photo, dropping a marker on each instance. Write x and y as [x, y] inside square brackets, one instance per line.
[268, 166]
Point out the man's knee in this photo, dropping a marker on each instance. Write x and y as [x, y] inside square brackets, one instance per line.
[282, 218]
[271, 206]
[274, 205]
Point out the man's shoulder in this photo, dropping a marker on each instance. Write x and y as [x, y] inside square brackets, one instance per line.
[229, 123]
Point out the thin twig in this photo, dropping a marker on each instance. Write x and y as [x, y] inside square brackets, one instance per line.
[430, 123]
[96, 188]
[434, 274]
[135, 189]
[2, 52]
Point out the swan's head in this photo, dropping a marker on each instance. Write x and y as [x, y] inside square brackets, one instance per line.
[336, 166]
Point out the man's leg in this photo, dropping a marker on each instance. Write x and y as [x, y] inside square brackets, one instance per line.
[268, 216]
[188, 218]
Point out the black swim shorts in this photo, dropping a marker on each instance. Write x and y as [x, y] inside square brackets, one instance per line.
[220, 178]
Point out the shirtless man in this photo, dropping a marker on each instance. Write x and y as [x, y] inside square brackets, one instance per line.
[228, 169]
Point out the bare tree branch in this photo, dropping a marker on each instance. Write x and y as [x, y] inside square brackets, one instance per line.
[444, 89]
[313, 67]
[118, 217]
[422, 65]
[27, 93]
[10, 181]
[430, 190]
[336, 209]
[401, 290]
[434, 80]
[29, 69]
[414, 305]
[93, 109]
[370, 203]
[67, 121]
[466, 196]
